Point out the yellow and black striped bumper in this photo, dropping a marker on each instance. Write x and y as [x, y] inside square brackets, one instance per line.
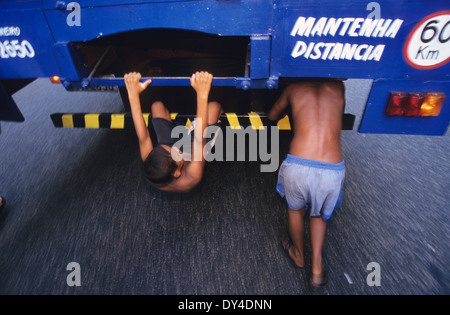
[125, 120]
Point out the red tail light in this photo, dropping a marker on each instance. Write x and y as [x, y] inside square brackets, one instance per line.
[395, 105]
[415, 104]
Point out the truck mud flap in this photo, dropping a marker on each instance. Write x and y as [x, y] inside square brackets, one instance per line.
[8, 108]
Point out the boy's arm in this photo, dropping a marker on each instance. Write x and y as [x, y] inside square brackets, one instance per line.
[201, 82]
[135, 88]
[279, 105]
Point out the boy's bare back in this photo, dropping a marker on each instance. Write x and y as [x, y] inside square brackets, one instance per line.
[317, 109]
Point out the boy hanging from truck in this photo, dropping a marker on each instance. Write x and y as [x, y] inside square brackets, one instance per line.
[165, 166]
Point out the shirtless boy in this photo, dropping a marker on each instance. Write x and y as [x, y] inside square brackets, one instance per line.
[164, 165]
[312, 175]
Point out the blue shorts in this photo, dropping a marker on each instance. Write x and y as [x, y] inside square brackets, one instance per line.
[308, 184]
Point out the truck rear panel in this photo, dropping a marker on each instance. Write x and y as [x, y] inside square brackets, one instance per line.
[250, 44]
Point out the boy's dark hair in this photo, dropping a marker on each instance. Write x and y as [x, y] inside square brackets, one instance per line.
[159, 166]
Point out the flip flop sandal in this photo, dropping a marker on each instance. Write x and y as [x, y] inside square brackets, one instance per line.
[286, 248]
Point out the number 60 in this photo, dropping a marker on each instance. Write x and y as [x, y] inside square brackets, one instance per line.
[430, 27]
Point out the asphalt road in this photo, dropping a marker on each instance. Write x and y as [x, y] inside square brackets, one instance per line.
[77, 195]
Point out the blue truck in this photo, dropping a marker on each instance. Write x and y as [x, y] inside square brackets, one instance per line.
[249, 45]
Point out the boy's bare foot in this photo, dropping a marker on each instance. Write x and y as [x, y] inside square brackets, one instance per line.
[319, 280]
[2, 202]
[294, 254]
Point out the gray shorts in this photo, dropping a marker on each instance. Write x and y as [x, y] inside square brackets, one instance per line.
[308, 184]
